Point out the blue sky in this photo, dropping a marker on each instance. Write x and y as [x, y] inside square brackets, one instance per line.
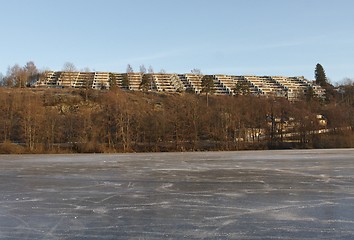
[241, 37]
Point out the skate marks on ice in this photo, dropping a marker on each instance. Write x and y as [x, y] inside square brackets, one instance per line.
[243, 195]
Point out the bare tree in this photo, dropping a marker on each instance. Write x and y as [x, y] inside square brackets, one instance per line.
[32, 73]
[16, 76]
[86, 69]
[129, 69]
[69, 67]
[31, 120]
[8, 115]
[2, 82]
[151, 71]
[196, 71]
[142, 69]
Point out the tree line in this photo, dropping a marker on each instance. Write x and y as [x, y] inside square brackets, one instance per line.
[84, 120]
[116, 120]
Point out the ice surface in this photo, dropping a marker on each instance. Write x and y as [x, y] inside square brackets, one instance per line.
[295, 194]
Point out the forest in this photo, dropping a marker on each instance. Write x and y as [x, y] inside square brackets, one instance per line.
[107, 121]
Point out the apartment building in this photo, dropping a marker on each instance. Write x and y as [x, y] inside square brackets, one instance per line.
[291, 88]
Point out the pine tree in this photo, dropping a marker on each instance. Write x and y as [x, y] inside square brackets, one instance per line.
[145, 84]
[125, 81]
[241, 88]
[207, 86]
[320, 75]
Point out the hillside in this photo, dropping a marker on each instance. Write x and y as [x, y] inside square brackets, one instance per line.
[79, 120]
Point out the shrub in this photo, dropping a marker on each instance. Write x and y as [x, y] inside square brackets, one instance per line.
[8, 147]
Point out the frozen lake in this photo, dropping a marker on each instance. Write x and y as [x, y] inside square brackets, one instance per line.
[293, 194]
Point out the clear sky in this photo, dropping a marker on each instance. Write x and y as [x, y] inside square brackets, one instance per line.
[241, 37]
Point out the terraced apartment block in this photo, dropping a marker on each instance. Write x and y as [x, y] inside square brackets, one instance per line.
[291, 88]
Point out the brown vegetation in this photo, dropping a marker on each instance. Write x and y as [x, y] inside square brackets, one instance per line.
[87, 121]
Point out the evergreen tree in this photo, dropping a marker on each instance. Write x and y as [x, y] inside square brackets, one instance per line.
[241, 88]
[125, 81]
[320, 75]
[207, 86]
[145, 84]
[310, 94]
[113, 81]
